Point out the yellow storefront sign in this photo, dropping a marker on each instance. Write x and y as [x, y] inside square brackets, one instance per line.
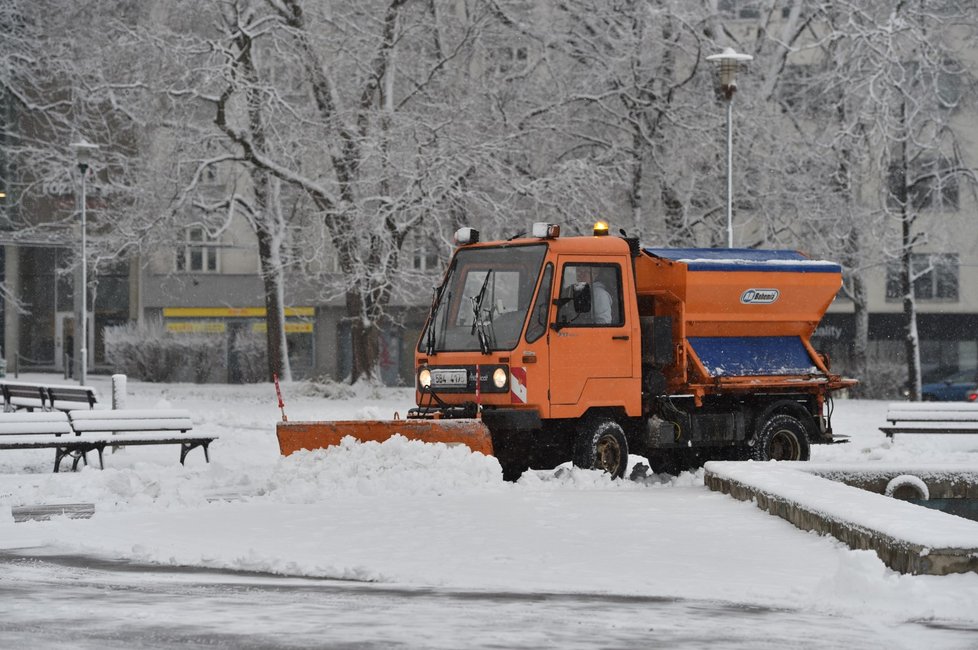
[290, 328]
[231, 312]
[195, 327]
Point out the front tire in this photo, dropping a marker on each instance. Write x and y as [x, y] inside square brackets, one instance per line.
[781, 437]
[601, 444]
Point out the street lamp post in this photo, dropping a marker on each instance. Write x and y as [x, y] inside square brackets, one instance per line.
[83, 154]
[728, 63]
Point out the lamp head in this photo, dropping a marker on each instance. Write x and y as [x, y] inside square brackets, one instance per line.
[84, 151]
[728, 63]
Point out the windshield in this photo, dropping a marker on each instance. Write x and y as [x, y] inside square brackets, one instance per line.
[483, 303]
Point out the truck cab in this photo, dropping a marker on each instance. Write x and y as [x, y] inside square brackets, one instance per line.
[586, 348]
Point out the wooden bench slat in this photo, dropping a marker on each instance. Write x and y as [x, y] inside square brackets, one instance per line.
[38, 416]
[37, 442]
[916, 416]
[933, 406]
[131, 420]
[37, 422]
[118, 414]
[937, 430]
[55, 428]
[170, 424]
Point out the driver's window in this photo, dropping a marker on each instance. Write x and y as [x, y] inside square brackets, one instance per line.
[602, 282]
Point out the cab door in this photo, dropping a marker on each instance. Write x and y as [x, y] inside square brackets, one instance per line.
[591, 340]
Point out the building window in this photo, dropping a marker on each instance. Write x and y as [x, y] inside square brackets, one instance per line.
[198, 253]
[935, 277]
[930, 185]
[743, 9]
[509, 60]
[425, 256]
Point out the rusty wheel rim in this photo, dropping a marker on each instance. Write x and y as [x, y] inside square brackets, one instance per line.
[608, 456]
[785, 446]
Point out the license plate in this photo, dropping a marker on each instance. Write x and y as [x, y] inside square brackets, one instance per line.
[449, 378]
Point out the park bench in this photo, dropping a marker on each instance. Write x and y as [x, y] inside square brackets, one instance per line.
[931, 417]
[24, 396]
[80, 431]
[67, 398]
[45, 397]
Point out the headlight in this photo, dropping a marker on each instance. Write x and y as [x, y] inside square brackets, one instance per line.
[499, 377]
[424, 378]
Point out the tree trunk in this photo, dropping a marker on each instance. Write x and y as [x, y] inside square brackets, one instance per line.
[364, 338]
[860, 317]
[272, 280]
[912, 340]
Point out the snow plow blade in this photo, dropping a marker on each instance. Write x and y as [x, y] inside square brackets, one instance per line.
[295, 436]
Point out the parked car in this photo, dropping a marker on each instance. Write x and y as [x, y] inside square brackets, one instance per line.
[962, 386]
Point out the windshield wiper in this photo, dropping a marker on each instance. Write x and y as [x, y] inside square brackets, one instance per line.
[436, 300]
[483, 327]
[430, 339]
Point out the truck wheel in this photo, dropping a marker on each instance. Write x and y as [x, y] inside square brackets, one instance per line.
[601, 444]
[781, 437]
[513, 471]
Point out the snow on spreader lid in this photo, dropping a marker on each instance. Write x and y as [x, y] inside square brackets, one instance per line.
[744, 259]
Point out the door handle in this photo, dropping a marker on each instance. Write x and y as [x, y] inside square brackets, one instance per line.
[620, 337]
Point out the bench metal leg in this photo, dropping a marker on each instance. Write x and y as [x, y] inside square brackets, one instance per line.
[61, 452]
[79, 455]
[187, 447]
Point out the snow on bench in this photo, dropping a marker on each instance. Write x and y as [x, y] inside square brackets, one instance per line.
[28, 422]
[131, 420]
[931, 417]
[80, 431]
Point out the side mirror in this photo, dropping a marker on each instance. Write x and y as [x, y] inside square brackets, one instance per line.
[581, 292]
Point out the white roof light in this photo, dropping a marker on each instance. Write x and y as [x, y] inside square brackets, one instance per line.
[545, 230]
[465, 236]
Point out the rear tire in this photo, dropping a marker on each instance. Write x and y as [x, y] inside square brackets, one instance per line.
[781, 437]
[513, 471]
[601, 444]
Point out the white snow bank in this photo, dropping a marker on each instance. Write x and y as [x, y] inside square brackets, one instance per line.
[395, 466]
[837, 501]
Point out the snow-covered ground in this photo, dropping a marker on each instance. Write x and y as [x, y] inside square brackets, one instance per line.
[414, 516]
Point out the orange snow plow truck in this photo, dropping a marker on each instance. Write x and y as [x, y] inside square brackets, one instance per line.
[548, 349]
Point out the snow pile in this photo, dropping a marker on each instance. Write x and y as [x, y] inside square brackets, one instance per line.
[396, 466]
